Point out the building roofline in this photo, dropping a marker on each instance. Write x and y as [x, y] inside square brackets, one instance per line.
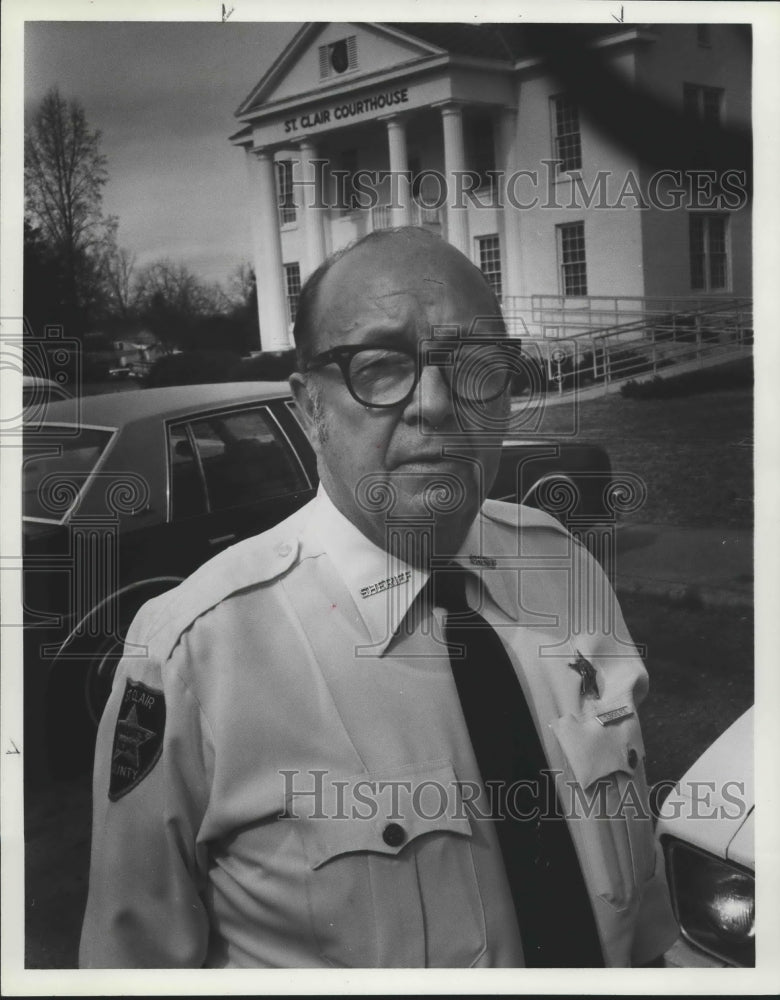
[630, 35]
[309, 29]
[433, 56]
[394, 74]
[302, 38]
[243, 137]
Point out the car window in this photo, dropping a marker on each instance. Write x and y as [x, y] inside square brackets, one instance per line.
[188, 491]
[244, 457]
[54, 475]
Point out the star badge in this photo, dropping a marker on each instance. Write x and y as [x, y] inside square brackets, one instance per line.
[589, 686]
[130, 737]
[138, 737]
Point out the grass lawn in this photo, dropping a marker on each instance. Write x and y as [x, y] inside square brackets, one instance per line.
[694, 453]
[701, 679]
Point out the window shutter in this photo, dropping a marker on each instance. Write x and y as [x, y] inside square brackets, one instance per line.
[324, 62]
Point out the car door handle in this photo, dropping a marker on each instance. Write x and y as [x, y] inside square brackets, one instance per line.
[221, 539]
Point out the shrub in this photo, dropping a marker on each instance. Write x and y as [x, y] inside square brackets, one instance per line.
[191, 368]
[731, 376]
[267, 366]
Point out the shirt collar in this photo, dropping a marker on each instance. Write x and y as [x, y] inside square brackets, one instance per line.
[384, 587]
[484, 553]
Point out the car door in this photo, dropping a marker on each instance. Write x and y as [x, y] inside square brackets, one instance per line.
[232, 474]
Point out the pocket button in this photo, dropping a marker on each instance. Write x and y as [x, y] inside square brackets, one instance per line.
[393, 835]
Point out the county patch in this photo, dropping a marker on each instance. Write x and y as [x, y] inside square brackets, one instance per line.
[138, 738]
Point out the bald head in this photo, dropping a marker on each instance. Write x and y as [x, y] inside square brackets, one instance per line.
[386, 257]
[382, 301]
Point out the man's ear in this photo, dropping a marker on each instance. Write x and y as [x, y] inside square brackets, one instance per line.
[304, 402]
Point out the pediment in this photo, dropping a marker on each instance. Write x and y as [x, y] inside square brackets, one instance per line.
[323, 55]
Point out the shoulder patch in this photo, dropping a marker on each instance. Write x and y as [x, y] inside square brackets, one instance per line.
[138, 738]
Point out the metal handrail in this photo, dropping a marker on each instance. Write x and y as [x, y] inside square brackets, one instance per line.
[641, 347]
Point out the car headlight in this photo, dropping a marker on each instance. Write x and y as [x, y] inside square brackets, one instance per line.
[714, 902]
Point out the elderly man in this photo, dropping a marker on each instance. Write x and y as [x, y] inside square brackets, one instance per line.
[381, 734]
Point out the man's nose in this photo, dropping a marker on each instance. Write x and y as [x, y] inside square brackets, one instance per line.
[431, 402]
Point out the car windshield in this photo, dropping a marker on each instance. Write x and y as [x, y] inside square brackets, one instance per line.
[57, 462]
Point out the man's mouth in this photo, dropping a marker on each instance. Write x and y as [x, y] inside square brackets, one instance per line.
[431, 461]
[424, 458]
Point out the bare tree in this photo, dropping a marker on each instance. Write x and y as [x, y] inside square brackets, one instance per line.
[65, 173]
[119, 273]
[243, 285]
[176, 286]
[176, 304]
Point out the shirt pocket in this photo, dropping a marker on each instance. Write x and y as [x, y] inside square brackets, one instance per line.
[391, 879]
[605, 793]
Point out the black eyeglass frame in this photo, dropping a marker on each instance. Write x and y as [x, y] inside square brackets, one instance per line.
[342, 356]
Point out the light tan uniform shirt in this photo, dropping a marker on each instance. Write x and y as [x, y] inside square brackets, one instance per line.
[304, 727]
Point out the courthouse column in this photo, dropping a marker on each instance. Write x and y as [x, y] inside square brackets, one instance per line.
[307, 186]
[271, 292]
[399, 166]
[507, 161]
[454, 164]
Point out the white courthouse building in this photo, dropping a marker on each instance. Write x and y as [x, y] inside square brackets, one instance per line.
[461, 129]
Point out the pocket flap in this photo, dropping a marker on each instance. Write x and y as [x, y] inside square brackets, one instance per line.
[378, 811]
[593, 750]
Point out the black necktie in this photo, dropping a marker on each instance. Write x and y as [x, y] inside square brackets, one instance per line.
[553, 910]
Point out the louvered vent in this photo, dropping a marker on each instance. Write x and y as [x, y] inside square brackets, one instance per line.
[338, 57]
[324, 66]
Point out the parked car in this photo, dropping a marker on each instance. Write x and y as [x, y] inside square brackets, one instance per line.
[125, 494]
[39, 392]
[706, 828]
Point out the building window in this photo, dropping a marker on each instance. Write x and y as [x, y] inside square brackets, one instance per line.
[284, 191]
[480, 150]
[709, 252]
[292, 281]
[338, 57]
[566, 129]
[702, 104]
[490, 262]
[571, 258]
[704, 35]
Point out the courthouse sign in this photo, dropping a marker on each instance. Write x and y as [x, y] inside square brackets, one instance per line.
[349, 109]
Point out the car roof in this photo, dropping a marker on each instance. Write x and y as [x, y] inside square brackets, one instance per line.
[138, 404]
[33, 380]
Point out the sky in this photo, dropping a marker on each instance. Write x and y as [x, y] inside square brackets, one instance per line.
[163, 96]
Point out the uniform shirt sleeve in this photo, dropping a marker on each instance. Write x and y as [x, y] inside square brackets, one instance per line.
[144, 906]
[656, 927]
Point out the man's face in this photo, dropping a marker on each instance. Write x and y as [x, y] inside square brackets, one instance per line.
[395, 293]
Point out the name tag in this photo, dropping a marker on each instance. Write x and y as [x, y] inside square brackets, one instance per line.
[488, 561]
[382, 585]
[616, 713]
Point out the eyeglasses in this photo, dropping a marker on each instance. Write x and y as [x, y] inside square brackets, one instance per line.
[477, 373]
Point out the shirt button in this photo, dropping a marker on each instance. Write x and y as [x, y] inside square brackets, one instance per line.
[393, 835]
[633, 757]
[284, 549]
